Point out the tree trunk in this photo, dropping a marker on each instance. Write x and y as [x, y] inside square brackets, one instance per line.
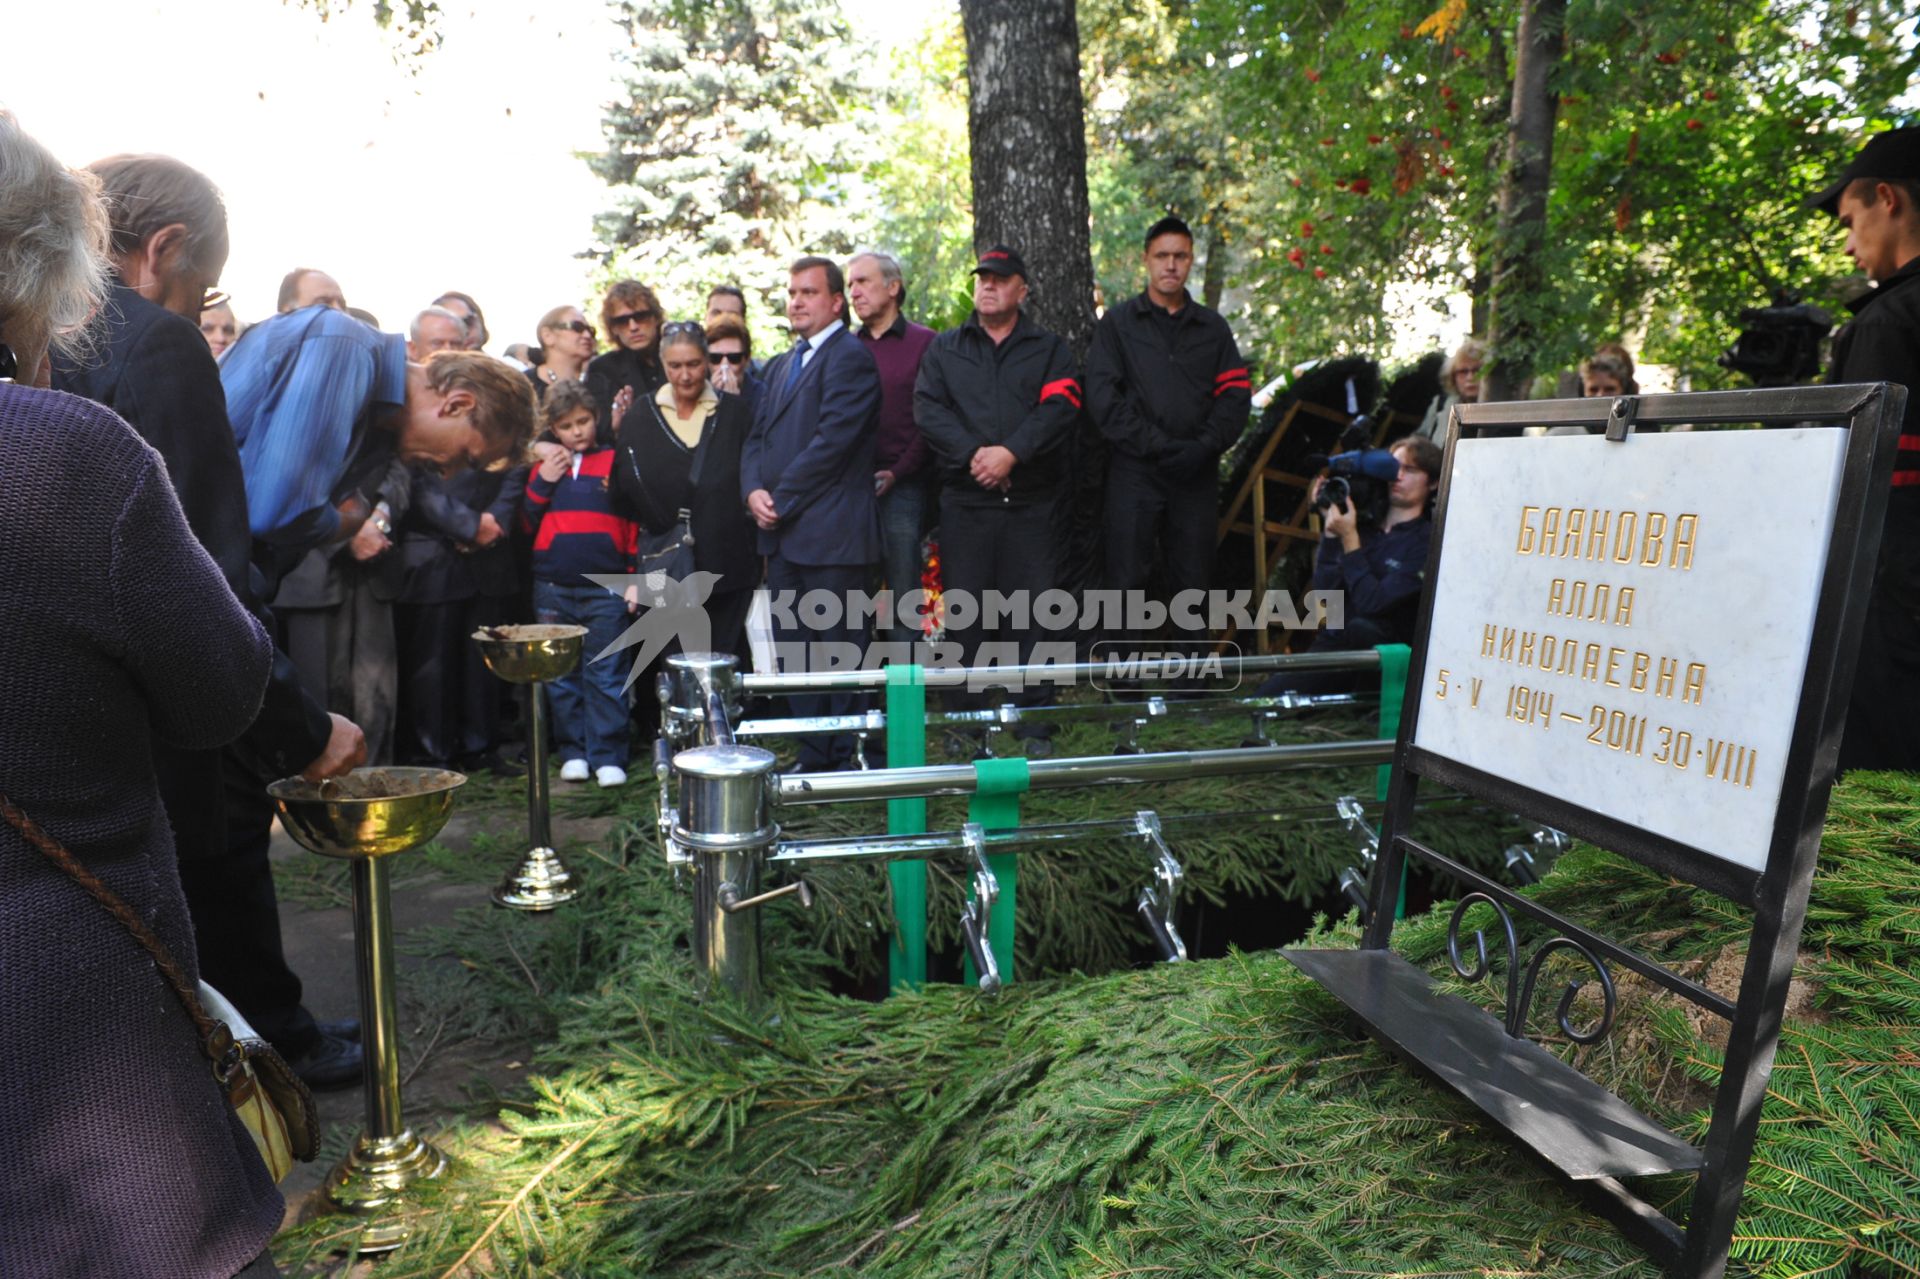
[1213, 277]
[1519, 283]
[1025, 121]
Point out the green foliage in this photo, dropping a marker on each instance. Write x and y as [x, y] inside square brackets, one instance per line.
[735, 147]
[1215, 1118]
[1369, 148]
[921, 186]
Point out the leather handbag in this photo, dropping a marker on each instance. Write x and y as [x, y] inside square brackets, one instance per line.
[270, 1100]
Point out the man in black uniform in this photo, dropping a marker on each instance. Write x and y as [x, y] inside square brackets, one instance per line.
[997, 399]
[1169, 391]
[1877, 199]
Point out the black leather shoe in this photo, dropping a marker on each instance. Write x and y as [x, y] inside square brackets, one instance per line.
[332, 1062]
[345, 1028]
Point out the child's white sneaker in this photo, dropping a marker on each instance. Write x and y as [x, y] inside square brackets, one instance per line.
[574, 770]
[610, 775]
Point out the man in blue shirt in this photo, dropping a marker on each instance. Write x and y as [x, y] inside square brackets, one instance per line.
[327, 412]
[307, 390]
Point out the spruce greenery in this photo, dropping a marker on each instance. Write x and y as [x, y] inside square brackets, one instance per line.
[1221, 1117]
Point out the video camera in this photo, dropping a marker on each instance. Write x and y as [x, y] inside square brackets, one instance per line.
[1358, 475]
[1779, 345]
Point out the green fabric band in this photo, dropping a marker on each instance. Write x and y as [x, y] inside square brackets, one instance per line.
[998, 786]
[907, 748]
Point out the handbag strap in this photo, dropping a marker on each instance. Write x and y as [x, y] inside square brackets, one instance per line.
[216, 1040]
[698, 450]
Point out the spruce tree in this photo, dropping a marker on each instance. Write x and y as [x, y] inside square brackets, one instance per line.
[732, 150]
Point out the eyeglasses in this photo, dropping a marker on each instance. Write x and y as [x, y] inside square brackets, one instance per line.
[679, 327]
[212, 297]
[730, 357]
[577, 326]
[632, 317]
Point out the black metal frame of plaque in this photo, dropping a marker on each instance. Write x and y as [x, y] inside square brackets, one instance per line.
[1579, 1127]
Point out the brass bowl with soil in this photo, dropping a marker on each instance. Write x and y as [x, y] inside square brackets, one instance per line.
[530, 654]
[370, 812]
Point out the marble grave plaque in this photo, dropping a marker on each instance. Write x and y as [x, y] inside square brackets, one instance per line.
[1625, 626]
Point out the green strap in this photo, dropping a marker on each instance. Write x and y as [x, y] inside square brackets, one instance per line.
[907, 748]
[1394, 660]
[998, 786]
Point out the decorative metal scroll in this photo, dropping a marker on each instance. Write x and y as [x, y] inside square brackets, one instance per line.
[1519, 989]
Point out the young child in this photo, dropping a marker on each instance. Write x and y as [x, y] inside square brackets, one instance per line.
[576, 531]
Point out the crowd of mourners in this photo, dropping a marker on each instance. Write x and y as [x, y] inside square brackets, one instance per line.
[239, 555]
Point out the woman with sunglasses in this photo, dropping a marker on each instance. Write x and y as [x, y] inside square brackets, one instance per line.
[730, 358]
[631, 371]
[662, 436]
[566, 345]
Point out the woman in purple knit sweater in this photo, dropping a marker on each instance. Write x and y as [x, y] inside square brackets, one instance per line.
[118, 1153]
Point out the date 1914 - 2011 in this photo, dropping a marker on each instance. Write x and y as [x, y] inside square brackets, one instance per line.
[1623, 732]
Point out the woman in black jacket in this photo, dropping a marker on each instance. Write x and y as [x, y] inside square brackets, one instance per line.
[664, 437]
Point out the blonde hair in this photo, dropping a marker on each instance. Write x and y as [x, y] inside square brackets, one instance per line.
[504, 406]
[54, 234]
[1471, 349]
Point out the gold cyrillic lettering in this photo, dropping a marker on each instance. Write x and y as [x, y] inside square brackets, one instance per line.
[1613, 666]
[1638, 681]
[1696, 687]
[1684, 530]
[1570, 537]
[1525, 546]
[1623, 537]
[1656, 539]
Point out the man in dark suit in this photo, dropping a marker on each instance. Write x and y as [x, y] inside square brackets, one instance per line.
[154, 369]
[807, 475]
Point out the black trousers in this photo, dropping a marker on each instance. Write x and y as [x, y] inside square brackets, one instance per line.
[1148, 509]
[819, 752]
[236, 919]
[449, 701]
[1004, 547]
[1883, 715]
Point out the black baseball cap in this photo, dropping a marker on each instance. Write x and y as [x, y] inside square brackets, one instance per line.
[1892, 154]
[1001, 260]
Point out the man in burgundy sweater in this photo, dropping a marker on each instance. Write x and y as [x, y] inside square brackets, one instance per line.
[877, 292]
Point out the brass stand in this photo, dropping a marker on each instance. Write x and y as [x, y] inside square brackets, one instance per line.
[534, 656]
[368, 816]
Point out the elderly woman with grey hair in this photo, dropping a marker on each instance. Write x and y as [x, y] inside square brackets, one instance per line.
[1459, 383]
[119, 1155]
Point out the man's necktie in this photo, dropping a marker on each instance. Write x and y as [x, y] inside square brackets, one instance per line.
[799, 362]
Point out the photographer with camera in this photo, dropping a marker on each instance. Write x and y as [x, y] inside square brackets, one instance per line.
[1876, 198]
[1375, 525]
